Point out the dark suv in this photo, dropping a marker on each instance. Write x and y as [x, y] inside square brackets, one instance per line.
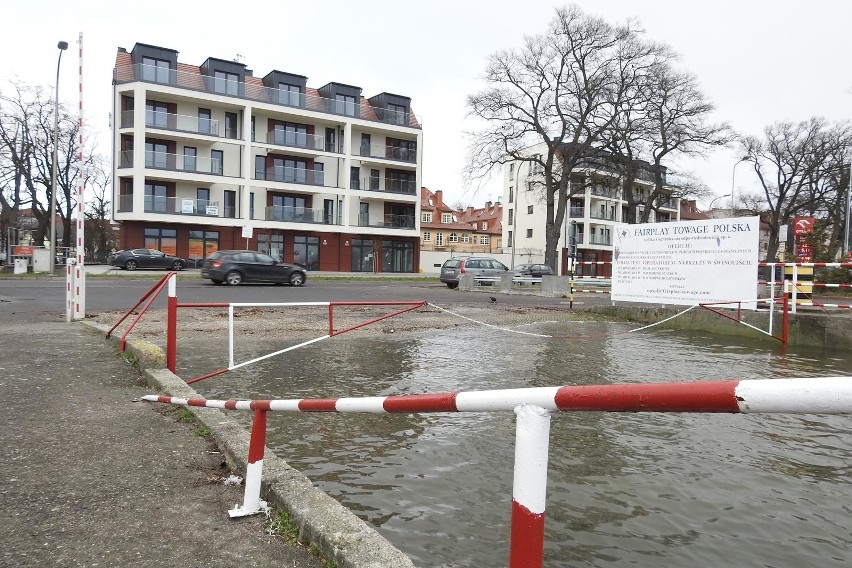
[237, 266]
[452, 270]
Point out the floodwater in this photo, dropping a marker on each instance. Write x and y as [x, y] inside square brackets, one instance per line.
[623, 489]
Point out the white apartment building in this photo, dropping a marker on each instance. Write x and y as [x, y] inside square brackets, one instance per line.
[211, 157]
[596, 208]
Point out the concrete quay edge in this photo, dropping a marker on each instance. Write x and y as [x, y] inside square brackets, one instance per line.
[338, 534]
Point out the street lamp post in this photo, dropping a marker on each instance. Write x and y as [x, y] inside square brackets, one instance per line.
[734, 177]
[846, 216]
[710, 208]
[62, 45]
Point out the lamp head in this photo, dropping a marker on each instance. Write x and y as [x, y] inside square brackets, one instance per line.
[63, 45]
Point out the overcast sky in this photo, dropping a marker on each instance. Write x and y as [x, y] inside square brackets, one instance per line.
[759, 61]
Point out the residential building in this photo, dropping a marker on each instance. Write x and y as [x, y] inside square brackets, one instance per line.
[595, 207]
[466, 231]
[211, 157]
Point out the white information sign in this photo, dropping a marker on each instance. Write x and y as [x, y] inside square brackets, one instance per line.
[248, 230]
[687, 262]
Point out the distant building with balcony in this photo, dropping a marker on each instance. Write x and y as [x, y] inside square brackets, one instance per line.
[466, 231]
[596, 206]
[206, 155]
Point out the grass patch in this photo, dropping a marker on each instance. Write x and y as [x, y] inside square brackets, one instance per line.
[283, 526]
[202, 432]
[185, 415]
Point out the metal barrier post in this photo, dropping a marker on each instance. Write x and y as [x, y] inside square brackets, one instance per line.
[795, 286]
[529, 491]
[69, 289]
[171, 326]
[252, 503]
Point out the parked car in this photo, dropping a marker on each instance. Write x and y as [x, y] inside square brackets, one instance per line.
[131, 259]
[237, 266]
[523, 271]
[452, 270]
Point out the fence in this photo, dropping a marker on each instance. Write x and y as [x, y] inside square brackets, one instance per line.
[533, 407]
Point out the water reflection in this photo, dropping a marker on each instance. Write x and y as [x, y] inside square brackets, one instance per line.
[623, 489]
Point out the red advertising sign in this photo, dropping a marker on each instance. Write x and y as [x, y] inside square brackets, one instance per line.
[23, 250]
[803, 225]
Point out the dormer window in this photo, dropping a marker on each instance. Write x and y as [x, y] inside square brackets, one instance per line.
[397, 114]
[446, 218]
[155, 70]
[290, 95]
[226, 83]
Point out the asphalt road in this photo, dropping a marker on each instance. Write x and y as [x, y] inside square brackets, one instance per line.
[44, 298]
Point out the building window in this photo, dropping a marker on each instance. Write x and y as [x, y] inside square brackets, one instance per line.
[397, 256]
[290, 95]
[510, 238]
[190, 159]
[291, 134]
[475, 240]
[202, 199]
[512, 170]
[217, 160]
[355, 177]
[529, 233]
[439, 239]
[362, 255]
[156, 155]
[484, 240]
[511, 193]
[485, 225]
[230, 205]
[427, 217]
[427, 237]
[205, 125]
[344, 104]
[529, 209]
[202, 244]
[374, 180]
[155, 70]
[401, 182]
[454, 238]
[227, 83]
[231, 125]
[164, 240]
[156, 114]
[465, 238]
[156, 198]
[271, 244]
[306, 251]
[511, 215]
[404, 150]
[260, 167]
[446, 218]
[396, 114]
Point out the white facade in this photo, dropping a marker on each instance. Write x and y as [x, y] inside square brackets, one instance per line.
[594, 210]
[203, 152]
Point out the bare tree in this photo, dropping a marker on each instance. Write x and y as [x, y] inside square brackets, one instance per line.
[100, 238]
[562, 89]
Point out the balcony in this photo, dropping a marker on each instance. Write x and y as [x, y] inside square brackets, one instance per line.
[291, 175]
[185, 206]
[388, 221]
[297, 140]
[603, 191]
[176, 163]
[407, 155]
[290, 214]
[125, 203]
[195, 81]
[600, 240]
[174, 122]
[576, 212]
[603, 215]
[399, 186]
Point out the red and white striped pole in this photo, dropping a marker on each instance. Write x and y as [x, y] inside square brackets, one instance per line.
[171, 325]
[252, 503]
[529, 492]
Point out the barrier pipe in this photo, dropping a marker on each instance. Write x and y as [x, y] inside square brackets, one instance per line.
[152, 298]
[144, 297]
[171, 326]
[529, 487]
[785, 320]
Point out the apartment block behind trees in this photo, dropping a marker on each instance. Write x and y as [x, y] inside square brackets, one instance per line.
[211, 157]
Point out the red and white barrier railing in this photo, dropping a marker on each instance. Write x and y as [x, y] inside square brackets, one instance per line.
[532, 407]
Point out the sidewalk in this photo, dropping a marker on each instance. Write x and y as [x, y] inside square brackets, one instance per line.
[90, 476]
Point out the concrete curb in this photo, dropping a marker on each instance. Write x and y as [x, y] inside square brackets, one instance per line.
[337, 533]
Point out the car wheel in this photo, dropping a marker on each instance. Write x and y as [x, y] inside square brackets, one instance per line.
[177, 265]
[452, 285]
[130, 265]
[234, 278]
[297, 279]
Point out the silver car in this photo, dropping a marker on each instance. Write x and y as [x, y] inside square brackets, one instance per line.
[479, 266]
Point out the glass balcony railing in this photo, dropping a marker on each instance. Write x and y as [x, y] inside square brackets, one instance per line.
[177, 163]
[125, 203]
[603, 191]
[403, 187]
[175, 122]
[408, 155]
[297, 140]
[290, 214]
[603, 215]
[600, 240]
[186, 206]
[291, 175]
[576, 211]
[195, 81]
[390, 221]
